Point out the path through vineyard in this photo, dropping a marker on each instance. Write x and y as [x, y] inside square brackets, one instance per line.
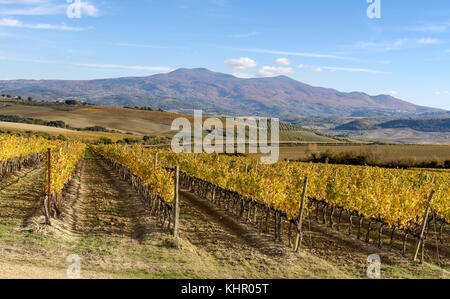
[19, 195]
[106, 223]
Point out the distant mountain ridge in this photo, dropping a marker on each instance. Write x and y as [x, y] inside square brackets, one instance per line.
[186, 89]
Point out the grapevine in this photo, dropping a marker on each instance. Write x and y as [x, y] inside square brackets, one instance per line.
[395, 196]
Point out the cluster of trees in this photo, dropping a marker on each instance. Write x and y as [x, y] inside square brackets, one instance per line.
[75, 103]
[99, 129]
[8, 96]
[54, 123]
[33, 121]
[424, 125]
[143, 108]
[39, 134]
[149, 140]
[350, 158]
[30, 99]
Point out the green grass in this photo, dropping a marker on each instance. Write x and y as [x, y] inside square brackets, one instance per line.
[306, 136]
[88, 155]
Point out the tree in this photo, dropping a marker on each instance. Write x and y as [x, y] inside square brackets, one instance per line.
[72, 102]
[62, 137]
[447, 164]
[104, 140]
[29, 99]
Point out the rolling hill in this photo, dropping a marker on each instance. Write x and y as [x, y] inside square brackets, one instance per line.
[422, 125]
[123, 121]
[216, 93]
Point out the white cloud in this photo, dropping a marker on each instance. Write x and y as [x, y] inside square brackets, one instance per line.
[283, 61]
[382, 46]
[398, 44]
[91, 65]
[46, 7]
[5, 22]
[272, 71]
[35, 11]
[393, 93]
[23, 1]
[88, 9]
[240, 64]
[300, 54]
[355, 70]
[127, 67]
[286, 53]
[428, 41]
[10, 23]
[319, 69]
[430, 28]
[438, 93]
[243, 75]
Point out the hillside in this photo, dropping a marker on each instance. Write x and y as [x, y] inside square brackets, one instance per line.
[360, 124]
[216, 93]
[123, 120]
[415, 130]
[423, 125]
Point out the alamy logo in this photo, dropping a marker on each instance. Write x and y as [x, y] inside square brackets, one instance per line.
[238, 133]
[74, 9]
[374, 269]
[374, 9]
[74, 269]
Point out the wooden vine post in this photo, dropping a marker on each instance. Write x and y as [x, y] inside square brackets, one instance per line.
[156, 160]
[176, 204]
[298, 242]
[423, 227]
[49, 196]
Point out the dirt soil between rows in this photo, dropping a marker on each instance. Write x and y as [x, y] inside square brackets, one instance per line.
[109, 226]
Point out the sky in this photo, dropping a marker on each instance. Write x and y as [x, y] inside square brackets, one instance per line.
[402, 48]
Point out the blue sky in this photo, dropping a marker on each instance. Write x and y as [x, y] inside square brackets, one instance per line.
[329, 43]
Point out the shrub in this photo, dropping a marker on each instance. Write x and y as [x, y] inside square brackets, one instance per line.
[104, 140]
[447, 164]
[62, 137]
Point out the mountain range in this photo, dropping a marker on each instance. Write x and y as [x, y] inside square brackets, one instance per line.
[216, 93]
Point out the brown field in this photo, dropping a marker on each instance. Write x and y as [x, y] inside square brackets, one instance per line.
[76, 135]
[382, 153]
[124, 120]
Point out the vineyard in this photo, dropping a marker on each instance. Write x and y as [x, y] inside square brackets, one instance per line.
[60, 156]
[390, 198]
[397, 197]
[381, 207]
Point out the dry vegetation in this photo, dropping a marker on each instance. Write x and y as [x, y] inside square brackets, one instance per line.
[383, 153]
[125, 120]
[53, 131]
[107, 225]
